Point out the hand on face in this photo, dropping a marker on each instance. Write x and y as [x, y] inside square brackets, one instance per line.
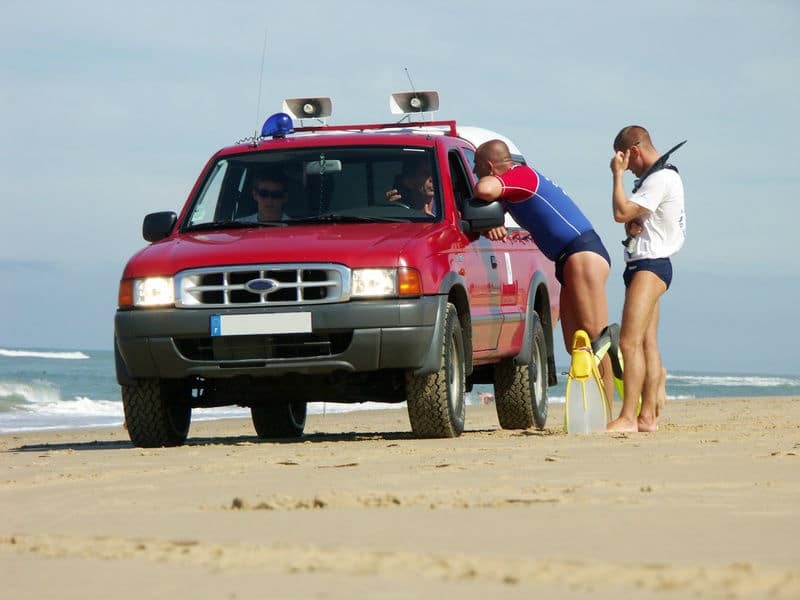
[619, 162]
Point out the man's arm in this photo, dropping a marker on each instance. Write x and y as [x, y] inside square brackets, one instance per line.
[624, 209]
[488, 188]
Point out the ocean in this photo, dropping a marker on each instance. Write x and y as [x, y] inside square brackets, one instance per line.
[45, 389]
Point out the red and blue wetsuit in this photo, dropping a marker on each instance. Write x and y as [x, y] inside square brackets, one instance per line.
[541, 207]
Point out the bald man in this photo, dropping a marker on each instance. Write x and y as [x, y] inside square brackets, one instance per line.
[562, 233]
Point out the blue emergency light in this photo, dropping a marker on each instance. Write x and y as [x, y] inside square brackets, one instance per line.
[277, 126]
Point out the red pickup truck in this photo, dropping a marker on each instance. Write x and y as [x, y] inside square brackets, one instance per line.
[352, 294]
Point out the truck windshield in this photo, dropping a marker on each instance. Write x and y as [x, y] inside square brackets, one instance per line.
[353, 184]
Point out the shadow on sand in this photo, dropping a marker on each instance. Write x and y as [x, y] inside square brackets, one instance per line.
[248, 440]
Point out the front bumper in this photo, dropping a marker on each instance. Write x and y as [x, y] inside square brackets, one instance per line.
[354, 336]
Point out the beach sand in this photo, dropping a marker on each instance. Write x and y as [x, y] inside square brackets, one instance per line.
[709, 506]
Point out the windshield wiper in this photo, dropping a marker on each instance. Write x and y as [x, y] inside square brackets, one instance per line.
[266, 224]
[233, 225]
[339, 218]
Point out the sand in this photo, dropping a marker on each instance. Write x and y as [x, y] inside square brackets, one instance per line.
[709, 506]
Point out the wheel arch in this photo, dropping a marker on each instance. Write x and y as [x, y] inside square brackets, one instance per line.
[452, 290]
[539, 304]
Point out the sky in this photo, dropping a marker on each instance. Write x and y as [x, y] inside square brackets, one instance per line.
[109, 111]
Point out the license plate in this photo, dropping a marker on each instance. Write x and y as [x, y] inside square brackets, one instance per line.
[297, 322]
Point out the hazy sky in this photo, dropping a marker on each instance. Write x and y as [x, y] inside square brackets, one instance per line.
[109, 111]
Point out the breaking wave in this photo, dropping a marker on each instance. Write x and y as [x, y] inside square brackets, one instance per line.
[19, 394]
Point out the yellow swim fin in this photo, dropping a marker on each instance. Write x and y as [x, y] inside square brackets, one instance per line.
[585, 408]
[608, 343]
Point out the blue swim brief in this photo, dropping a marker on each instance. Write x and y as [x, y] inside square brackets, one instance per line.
[660, 266]
[586, 242]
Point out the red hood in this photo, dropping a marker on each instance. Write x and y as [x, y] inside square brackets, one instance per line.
[355, 245]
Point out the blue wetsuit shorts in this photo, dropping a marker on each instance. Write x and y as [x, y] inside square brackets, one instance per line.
[586, 242]
[662, 267]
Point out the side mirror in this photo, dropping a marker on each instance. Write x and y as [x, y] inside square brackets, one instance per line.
[478, 216]
[157, 226]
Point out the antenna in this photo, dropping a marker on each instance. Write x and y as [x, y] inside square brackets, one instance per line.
[414, 102]
[260, 80]
[413, 89]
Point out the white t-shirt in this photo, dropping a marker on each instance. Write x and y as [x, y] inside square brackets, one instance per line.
[665, 225]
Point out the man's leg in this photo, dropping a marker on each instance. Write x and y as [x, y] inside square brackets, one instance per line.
[662, 392]
[653, 375]
[568, 322]
[641, 300]
[584, 304]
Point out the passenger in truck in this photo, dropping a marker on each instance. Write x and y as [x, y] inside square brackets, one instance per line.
[414, 187]
[270, 193]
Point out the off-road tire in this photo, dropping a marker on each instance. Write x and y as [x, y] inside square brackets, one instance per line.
[279, 419]
[156, 414]
[436, 405]
[520, 391]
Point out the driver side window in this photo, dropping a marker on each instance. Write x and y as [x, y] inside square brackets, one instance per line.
[462, 186]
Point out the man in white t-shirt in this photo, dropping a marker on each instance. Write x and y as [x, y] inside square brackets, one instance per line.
[654, 216]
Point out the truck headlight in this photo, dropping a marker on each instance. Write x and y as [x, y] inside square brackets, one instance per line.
[385, 283]
[374, 283]
[146, 292]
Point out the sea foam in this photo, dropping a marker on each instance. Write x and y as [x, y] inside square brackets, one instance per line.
[35, 354]
[733, 380]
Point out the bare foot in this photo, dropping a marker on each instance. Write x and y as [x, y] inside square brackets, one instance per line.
[647, 424]
[624, 425]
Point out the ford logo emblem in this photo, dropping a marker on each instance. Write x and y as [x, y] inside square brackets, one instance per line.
[261, 286]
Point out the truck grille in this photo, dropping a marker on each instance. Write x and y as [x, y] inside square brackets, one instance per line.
[265, 347]
[262, 285]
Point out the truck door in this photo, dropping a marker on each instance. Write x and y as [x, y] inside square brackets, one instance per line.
[481, 266]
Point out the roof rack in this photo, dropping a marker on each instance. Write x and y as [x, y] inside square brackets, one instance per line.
[418, 125]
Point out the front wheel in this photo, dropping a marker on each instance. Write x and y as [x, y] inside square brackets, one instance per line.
[279, 419]
[521, 390]
[436, 401]
[156, 412]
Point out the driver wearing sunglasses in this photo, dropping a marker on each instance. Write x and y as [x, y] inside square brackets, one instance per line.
[271, 194]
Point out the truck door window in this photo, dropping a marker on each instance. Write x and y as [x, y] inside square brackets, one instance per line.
[470, 154]
[462, 188]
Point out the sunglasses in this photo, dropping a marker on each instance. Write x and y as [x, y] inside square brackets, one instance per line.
[271, 193]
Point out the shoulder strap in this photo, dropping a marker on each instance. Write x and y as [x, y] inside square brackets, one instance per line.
[661, 163]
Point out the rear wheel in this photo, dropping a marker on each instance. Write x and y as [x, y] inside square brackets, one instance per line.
[156, 412]
[436, 401]
[521, 390]
[279, 419]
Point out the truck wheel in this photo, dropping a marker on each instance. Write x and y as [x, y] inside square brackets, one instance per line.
[156, 414]
[520, 391]
[279, 419]
[436, 401]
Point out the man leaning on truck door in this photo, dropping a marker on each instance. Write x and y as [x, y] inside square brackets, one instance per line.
[563, 234]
